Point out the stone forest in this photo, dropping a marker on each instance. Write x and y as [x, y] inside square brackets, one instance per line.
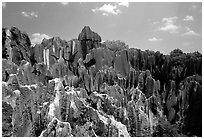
[88, 88]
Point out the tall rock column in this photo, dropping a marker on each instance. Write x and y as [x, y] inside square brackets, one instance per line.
[88, 40]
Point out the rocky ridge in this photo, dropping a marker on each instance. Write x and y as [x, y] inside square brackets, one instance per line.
[82, 88]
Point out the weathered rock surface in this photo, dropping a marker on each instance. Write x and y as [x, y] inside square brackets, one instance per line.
[79, 88]
[88, 40]
[57, 128]
[190, 102]
[16, 45]
[121, 63]
[8, 68]
[7, 127]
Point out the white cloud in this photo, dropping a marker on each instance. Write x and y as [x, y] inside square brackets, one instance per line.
[188, 18]
[37, 38]
[105, 14]
[190, 32]
[3, 4]
[196, 7]
[64, 3]
[169, 25]
[126, 4]
[154, 39]
[29, 14]
[193, 7]
[170, 19]
[108, 9]
[170, 28]
[113, 9]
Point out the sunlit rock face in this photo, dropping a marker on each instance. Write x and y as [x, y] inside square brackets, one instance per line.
[57, 128]
[8, 68]
[79, 88]
[16, 45]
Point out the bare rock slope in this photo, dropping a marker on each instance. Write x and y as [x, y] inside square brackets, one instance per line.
[82, 87]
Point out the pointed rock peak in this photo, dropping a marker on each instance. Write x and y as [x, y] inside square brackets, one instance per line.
[88, 34]
[44, 40]
[86, 28]
[15, 32]
[6, 32]
[14, 28]
[58, 39]
[47, 42]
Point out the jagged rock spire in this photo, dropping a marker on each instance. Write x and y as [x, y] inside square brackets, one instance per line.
[88, 34]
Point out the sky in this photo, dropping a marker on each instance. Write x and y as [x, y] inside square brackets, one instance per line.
[155, 26]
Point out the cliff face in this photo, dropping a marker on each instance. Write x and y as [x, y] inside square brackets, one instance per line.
[80, 88]
[16, 45]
